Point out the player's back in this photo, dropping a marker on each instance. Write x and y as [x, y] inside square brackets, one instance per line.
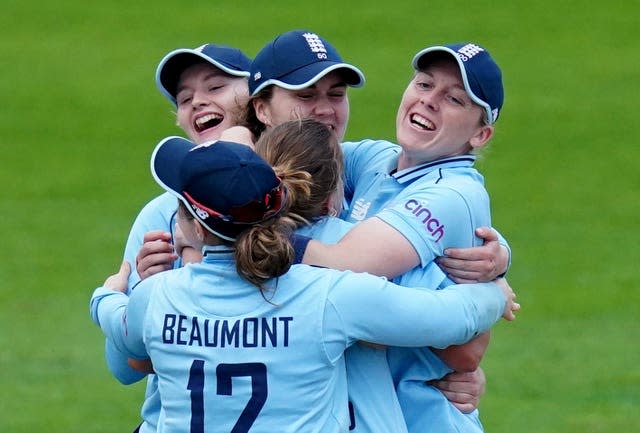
[226, 356]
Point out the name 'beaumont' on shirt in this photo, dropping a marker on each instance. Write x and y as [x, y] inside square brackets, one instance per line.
[247, 332]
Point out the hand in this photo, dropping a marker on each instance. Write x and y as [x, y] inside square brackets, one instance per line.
[119, 280]
[463, 390]
[156, 254]
[238, 134]
[188, 252]
[141, 365]
[476, 264]
[511, 306]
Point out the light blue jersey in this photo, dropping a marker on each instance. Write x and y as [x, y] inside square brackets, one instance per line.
[158, 214]
[435, 205]
[227, 355]
[373, 404]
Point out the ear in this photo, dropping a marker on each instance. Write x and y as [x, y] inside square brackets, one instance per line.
[263, 111]
[481, 137]
[199, 230]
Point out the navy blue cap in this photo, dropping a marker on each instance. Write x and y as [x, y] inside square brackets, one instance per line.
[480, 73]
[297, 59]
[226, 186]
[227, 59]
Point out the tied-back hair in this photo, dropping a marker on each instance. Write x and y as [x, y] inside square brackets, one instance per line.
[306, 155]
[307, 158]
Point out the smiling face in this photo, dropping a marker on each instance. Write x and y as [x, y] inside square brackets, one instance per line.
[209, 101]
[436, 117]
[325, 101]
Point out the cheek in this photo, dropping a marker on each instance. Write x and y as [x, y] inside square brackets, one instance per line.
[182, 119]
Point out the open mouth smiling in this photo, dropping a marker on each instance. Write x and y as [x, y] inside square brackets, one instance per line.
[207, 121]
[422, 122]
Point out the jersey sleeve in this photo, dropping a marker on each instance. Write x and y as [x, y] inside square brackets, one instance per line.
[438, 217]
[503, 241]
[121, 318]
[158, 214]
[359, 156]
[118, 365]
[372, 309]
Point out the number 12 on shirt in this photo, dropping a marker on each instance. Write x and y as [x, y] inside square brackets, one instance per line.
[224, 373]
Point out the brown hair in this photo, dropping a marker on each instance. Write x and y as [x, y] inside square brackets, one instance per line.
[306, 156]
[249, 118]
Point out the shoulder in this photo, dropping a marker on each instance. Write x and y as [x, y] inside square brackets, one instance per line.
[370, 146]
[165, 203]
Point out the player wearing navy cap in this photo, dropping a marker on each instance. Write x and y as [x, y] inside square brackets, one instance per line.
[300, 74]
[311, 83]
[207, 86]
[426, 197]
[237, 347]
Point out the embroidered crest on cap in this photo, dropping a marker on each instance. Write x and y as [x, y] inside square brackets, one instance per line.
[468, 51]
[316, 45]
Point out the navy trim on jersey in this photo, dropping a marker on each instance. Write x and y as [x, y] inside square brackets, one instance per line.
[413, 173]
[216, 250]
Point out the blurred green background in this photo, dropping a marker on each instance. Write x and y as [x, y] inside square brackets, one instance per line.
[80, 115]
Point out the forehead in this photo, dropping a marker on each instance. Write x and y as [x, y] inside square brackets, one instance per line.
[201, 70]
[442, 65]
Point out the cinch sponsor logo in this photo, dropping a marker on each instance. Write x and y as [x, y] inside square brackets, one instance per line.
[431, 224]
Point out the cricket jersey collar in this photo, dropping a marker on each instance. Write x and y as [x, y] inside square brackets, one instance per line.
[216, 253]
[412, 173]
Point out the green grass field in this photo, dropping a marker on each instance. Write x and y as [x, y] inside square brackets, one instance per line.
[81, 114]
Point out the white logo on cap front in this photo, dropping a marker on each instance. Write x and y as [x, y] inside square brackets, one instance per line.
[257, 76]
[468, 51]
[316, 45]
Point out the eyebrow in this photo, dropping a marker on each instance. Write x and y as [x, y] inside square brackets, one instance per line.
[457, 86]
[210, 75]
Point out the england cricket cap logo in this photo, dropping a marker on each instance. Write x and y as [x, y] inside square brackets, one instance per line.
[297, 59]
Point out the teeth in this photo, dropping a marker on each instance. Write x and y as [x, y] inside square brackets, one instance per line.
[423, 122]
[207, 118]
[207, 121]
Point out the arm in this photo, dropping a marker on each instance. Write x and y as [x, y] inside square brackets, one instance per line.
[466, 357]
[476, 264]
[120, 316]
[418, 317]
[389, 252]
[151, 232]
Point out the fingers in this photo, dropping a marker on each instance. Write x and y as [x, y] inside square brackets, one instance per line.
[155, 255]
[156, 235]
[463, 390]
[119, 280]
[468, 271]
[487, 234]
[511, 306]
[238, 134]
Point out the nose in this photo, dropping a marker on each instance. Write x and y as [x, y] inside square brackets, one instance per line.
[323, 107]
[430, 100]
[199, 99]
